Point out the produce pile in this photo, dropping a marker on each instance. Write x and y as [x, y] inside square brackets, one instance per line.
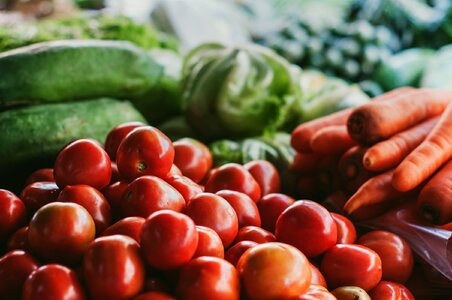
[152, 216]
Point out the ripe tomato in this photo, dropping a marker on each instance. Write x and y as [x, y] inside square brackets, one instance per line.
[274, 271]
[255, 234]
[61, 232]
[83, 162]
[346, 232]
[115, 176]
[174, 171]
[209, 243]
[168, 239]
[154, 296]
[394, 251]
[40, 175]
[114, 194]
[145, 151]
[387, 290]
[12, 213]
[317, 277]
[234, 253]
[308, 226]
[208, 277]
[19, 240]
[113, 268]
[351, 265]
[15, 266]
[270, 208]
[316, 292]
[117, 134]
[185, 186]
[244, 207]
[266, 176]
[234, 177]
[38, 194]
[215, 212]
[149, 194]
[130, 226]
[193, 158]
[92, 200]
[53, 282]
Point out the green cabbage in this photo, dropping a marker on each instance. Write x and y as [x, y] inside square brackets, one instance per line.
[238, 91]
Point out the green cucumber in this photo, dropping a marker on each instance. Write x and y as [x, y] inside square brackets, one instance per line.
[70, 70]
[32, 136]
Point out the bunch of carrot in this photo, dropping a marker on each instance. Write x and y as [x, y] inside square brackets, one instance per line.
[396, 147]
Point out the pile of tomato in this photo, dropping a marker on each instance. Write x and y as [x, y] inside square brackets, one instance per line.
[145, 218]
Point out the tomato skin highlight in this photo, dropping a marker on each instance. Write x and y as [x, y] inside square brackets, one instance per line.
[185, 186]
[387, 290]
[53, 282]
[193, 158]
[15, 267]
[117, 134]
[308, 226]
[168, 239]
[38, 194]
[266, 176]
[83, 162]
[208, 278]
[116, 259]
[351, 265]
[346, 232]
[236, 251]
[145, 151]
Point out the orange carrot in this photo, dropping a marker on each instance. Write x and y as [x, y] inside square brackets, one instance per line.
[375, 121]
[305, 163]
[301, 136]
[388, 154]
[435, 199]
[376, 190]
[352, 173]
[428, 157]
[331, 140]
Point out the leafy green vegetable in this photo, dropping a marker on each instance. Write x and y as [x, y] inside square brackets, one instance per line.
[176, 128]
[438, 73]
[239, 91]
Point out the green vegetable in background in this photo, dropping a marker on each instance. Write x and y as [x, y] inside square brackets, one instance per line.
[438, 72]
[239, 91]
[177, 128]
[75, 70]
[404, 68]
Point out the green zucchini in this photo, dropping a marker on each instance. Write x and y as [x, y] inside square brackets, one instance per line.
[75, 70]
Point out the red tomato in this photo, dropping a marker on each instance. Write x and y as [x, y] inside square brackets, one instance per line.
[317, 277]
[12, 213]
[394, 251]
[61, 232]
[92, 200]
[234, 177]
[185, 186]
[215, 212]
[174, 171]
[351, 265]
[168, 239]
[270, 208]
[154, 296]
[19, 240]
[316, 292]
[387, 290]
[346, 232]
[308, 226]
[114, 194]
[115, 176]
[130, 226]
[40, 175]
[274, 271]
[244, 207]
[266, 176]
[209, 243]
[117, 134]
[234, 253]
[208, 277]
[83, 162]
[113, 268]
[38, 194]
[149, 194]
[15, 266]
[193, 158]
[255, 234]
[53, 282]
[145, 151]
